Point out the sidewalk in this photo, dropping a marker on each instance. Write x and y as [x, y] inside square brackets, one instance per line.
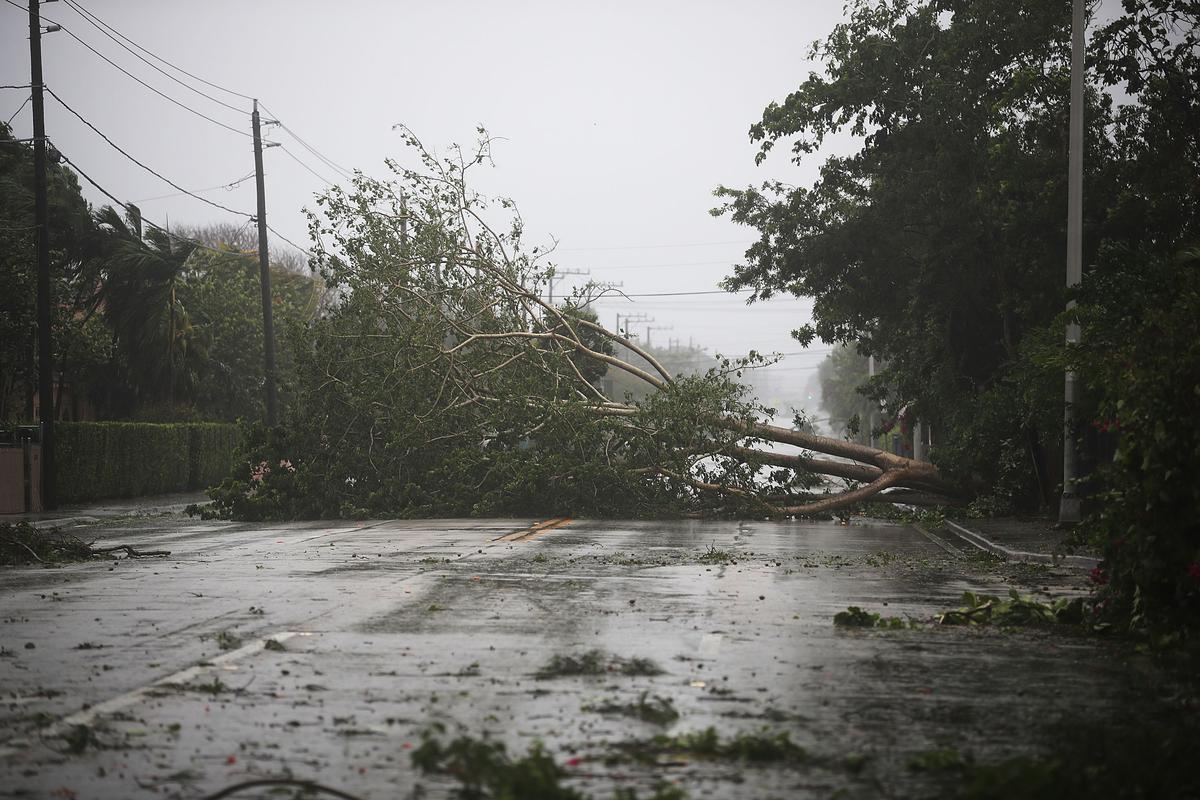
[150, 506]
[1035, 540]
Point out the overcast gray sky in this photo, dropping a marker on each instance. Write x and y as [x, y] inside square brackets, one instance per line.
[618, 119]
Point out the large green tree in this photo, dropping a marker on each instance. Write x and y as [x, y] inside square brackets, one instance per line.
[79, 349]
[220, 287]
[939, 245]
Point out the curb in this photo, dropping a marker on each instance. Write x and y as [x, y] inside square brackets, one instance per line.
[89, 515]
[983, 543]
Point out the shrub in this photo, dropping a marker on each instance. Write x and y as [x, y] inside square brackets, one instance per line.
[1140, 357]
[99, 460]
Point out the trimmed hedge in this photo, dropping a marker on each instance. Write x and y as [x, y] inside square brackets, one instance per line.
[101, 460]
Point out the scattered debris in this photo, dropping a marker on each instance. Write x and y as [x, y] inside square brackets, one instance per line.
[483, 768]
[655, 710]
[855, 617]
[226, 640]
[715, 556]
[22, 544]
[761, 747]
[596, 662]
[978, 609]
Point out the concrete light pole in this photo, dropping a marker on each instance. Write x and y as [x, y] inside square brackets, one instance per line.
[1068, 509]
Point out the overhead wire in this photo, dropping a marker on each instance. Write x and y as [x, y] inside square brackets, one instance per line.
[652, 246]
[303, 250]
[655, 266]
[158, 58]
[18, 111]
[296, 158]
[113, 33]
[123, 152]
[122, 204]
[227, 186]
[99, 25]
[133, 77]
[321, 157]
[165, 230]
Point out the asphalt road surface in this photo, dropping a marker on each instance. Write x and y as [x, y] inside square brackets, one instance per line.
[324, 651]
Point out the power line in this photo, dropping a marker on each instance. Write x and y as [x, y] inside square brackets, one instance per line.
[652, 246]
[653, 266]
[294, 157]
[323, 159]
[227, 186]
[18, 111]
[149, 222]
[15, 86]
[672, 294]
[158, 175]
[133, 77]
[97, 23]
[289, 241]
[160, 59]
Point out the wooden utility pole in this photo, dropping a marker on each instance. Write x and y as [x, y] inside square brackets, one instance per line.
[264, 274]
[40, 215]
[1068, 509]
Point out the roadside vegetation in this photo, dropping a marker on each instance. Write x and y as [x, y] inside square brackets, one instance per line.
[21, 544]
[423, 373]
[439, 382]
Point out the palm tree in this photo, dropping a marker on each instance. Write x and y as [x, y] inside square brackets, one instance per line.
[154, 335]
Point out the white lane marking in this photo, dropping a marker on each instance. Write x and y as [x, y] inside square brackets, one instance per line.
[86, 717]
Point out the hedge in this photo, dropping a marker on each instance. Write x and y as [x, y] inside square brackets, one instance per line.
[101, 460]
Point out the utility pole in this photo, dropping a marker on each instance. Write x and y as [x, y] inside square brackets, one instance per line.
[1068, 509]
[628, 319]
[404, 224]
[40, 215]
[656, 328]
[558, 275]
[264, 273]
[871, 416]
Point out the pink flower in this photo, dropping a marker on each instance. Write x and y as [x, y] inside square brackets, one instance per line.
[286, 464]
[259, 472]
[1098, 577]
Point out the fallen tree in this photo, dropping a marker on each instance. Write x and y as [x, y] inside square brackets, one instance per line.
[443, 382]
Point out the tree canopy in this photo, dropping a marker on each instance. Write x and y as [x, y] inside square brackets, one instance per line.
[939, 246]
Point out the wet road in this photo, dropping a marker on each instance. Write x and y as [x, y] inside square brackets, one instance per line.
[322, 651]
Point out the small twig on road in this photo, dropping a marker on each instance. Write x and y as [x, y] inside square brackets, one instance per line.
[309, 785]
